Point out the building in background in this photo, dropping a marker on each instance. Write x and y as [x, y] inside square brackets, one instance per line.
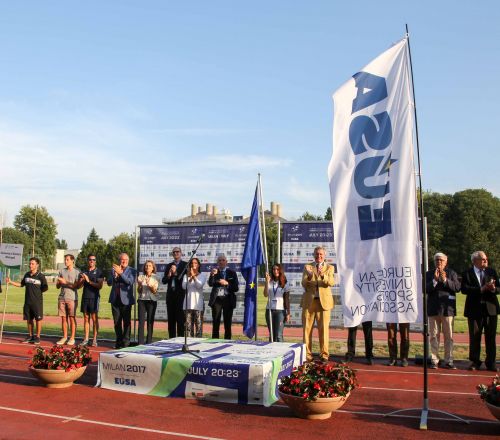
[212, 215]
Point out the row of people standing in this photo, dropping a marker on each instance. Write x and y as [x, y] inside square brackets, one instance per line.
[185, 301]
[480, 284]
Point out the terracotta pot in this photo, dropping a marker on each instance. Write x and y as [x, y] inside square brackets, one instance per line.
[495, 410]
[318, 409]
[57, 378]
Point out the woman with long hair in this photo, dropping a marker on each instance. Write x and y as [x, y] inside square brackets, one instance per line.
[194, 304]
[277, 290]
[147, 288]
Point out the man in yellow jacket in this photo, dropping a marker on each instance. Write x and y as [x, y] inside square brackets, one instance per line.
[317, 301]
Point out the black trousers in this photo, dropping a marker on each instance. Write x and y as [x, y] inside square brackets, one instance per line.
[175, 314]
[392, 341]
[121, 318]
[351, 340]
[146, 312]
[222, 306]
[476, 327]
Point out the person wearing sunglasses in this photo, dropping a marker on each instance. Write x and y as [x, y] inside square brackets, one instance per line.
[92, 280]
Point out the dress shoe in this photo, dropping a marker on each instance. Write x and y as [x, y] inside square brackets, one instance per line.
[450, 366]
[474, 367]
[492, 368]
[369, 361]
[433, 365]
[391, 363]
[348, 357]
[404, 363]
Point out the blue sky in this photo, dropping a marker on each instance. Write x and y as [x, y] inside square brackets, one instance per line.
[117, 113]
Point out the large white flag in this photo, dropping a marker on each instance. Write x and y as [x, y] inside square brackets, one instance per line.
[372, 187]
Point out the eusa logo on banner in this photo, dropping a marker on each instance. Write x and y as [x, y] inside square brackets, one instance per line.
[379, 139]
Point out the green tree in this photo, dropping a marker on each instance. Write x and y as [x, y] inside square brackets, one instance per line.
[474, 224]
[328, 213]
[272, 240]
[45, 232]
[437, 211]
[310, 217]
[120, 243]
[93, 245]
[61, 244]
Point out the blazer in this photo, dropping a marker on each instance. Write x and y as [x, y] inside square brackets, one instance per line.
[174, 283]
[479, 304]
[322, 284]
[123, 284]
[232, 288]
[441, 298]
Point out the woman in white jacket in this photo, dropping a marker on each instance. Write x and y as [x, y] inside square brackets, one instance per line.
[194, 304]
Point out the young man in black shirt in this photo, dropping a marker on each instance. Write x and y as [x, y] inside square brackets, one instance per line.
[35, 284]
[92, 280]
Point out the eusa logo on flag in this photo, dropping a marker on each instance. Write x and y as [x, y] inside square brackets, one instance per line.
[363, 129]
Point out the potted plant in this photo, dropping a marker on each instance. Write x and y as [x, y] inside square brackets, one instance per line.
[59, 367]
[315, 389]
[491, 396]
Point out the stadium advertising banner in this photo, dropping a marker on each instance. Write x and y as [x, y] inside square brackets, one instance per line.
[244, 372]
[299, 241]
[156, 243]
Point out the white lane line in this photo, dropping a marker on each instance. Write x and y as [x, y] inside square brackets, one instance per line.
[416, 417]
[112, 425]
[417, 391]
[71, 419]
[369, 413]
[421, 372]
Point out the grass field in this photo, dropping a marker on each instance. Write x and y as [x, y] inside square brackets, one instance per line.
[15, 303]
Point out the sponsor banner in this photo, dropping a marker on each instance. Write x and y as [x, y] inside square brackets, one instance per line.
[373, 193]
[245, 372]
[156, 243]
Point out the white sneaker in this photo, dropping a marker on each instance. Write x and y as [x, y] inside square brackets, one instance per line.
[70, 342]
[62, 341]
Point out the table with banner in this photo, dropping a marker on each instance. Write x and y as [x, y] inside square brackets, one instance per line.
[245, 372]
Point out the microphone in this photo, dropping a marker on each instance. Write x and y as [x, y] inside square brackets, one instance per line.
[200, 238]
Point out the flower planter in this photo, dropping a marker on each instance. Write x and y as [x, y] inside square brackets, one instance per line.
[495, 410]
[57, 378]
[318, 409]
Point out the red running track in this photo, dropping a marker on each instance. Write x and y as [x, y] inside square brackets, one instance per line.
[28, 410]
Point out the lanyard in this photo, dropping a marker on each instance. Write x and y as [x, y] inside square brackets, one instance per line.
[275, 290]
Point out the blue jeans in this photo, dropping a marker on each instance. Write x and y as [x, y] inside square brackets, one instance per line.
[278, 321]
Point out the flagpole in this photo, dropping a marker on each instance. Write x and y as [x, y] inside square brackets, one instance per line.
[4, 305]
[423, 238]
[266, 261]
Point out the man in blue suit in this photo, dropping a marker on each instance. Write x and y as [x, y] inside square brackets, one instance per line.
[122, 299]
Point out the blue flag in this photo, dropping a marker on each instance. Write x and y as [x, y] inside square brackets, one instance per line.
[252, 258]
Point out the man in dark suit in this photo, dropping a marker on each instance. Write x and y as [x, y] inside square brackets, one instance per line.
[442, 286]
[481, 285]
[175, 293]
[122, 299]
[224, 284]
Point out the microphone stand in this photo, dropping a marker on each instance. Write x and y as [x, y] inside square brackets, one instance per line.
[185, 347]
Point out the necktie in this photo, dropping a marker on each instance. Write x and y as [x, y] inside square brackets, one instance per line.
[481, 277]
